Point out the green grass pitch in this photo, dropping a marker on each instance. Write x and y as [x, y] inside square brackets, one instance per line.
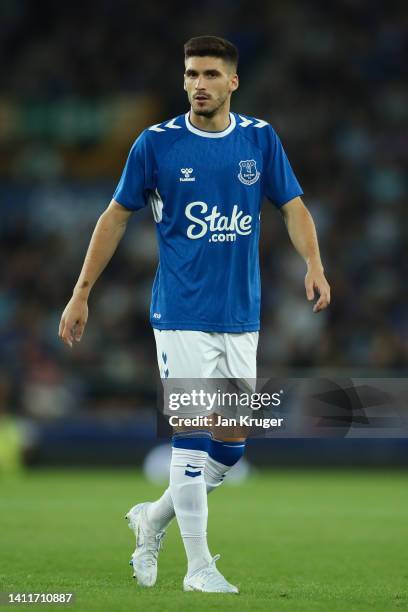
[291, 540]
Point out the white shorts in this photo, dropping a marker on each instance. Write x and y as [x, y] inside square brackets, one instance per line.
[187, 354]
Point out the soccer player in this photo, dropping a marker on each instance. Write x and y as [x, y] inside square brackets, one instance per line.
[205, 174]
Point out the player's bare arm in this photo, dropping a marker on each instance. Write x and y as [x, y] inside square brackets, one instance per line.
[106, 236]
[302, 232]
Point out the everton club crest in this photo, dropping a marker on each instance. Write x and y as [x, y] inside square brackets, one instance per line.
[248, 173]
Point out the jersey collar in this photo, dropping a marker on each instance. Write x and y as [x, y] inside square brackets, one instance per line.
[206, 134]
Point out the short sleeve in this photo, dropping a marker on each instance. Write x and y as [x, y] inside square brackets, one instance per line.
[137, 178]
[280, 182]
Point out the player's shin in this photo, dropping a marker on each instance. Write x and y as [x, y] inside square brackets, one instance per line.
[189, 495]
[222, 456]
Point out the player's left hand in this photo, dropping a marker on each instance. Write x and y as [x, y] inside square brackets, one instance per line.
[315, 280]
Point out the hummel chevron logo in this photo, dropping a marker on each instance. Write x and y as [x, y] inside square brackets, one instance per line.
[170, 124]
[156, 128]
[260, 123]
[192, 474]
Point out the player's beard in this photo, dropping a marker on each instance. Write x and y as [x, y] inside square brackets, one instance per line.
[210, 113]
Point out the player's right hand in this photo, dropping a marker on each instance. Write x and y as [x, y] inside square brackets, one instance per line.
[73, 320]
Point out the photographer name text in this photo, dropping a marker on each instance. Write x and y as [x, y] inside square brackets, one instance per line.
[219, 421]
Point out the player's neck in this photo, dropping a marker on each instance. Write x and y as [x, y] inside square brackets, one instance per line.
[218, 123]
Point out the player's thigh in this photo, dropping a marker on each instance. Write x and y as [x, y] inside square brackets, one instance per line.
[186, 353]
[187, 362]
[239, 356]
[237, 367]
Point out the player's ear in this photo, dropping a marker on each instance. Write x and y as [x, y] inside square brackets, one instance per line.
[184, 79]
[234, 82]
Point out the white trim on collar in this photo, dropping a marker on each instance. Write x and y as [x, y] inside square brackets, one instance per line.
[206, 134]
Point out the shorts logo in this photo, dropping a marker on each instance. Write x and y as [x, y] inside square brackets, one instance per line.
[166, 370]
[248, 173]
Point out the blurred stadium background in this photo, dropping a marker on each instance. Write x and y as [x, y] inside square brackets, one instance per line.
[78, 82]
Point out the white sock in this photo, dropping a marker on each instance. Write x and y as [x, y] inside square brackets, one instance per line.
[161, 512]
[189, 495]
[215, 473]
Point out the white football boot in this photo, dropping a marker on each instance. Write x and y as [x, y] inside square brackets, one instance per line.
[148, 544]
[208, 580]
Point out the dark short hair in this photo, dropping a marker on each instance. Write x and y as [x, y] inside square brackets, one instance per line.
[213, 46]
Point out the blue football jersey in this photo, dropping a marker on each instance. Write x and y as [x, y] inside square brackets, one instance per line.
[205, 190]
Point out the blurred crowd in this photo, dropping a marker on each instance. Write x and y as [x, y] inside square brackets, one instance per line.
[329, 77]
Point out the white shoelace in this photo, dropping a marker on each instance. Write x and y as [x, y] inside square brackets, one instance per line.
[152, 546]
[209, 570]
